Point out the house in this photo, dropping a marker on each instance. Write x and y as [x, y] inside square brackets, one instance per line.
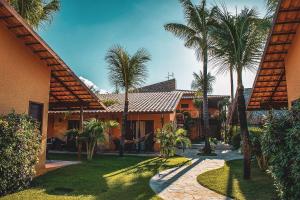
[277, 82]
[33, 79]
[147, 112]
[187, 105]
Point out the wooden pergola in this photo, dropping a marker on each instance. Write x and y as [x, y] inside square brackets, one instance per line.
[269, 88]
[67, 91]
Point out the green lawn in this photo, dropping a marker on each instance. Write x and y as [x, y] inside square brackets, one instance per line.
[106, 177]
[229, 181]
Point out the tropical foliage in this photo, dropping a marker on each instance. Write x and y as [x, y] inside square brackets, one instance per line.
[238, 42]
[169, 137]
[223, 105]
[36, 12]
[93, 132]
[19, 149]
[198, 82]
[195, 33]
[256, 148]
[280, 145]
[126, 72]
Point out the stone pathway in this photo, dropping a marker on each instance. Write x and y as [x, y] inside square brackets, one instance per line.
[180, 183]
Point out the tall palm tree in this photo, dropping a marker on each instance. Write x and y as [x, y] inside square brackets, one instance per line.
[239, 39]
[195, 34]
[127, 72]
[36, 12]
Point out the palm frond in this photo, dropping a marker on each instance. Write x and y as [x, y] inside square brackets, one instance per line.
[124, 70]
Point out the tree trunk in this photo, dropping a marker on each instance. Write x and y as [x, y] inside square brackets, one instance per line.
[207, 148]
[231, 83]
[124, 124]
[244, 127]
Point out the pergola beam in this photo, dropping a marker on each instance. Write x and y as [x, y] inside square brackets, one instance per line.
[271, 61]
[6, 17]
[24, 35]
[40, 51]
[297, 9]
[63, 84]
[284, 33]
[31, 43]
[277, 52]
[15, 26]
[269, 74]
[288, 22]
[279, 43]
[62, 104]
[277, 85]
[54, 64]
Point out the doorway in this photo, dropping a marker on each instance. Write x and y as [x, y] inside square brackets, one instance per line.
[141, 131]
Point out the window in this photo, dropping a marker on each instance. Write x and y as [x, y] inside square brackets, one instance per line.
[184, 105]
[73, 124]
[36, 112]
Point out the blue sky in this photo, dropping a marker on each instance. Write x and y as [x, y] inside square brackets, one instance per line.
[83, 31]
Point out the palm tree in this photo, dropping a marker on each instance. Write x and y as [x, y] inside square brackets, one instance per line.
[239, 39]
[198, 82]
[126, 72]
[36, 12]
[195, 33]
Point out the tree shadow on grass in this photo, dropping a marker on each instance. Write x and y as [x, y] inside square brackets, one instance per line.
[259, 187]
[106, 177]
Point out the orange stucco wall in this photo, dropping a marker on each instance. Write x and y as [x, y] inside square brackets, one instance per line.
[58, 123]
[23, 78]
[292, 69]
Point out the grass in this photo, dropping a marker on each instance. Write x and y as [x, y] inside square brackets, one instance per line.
[106, 177]
[229, 181]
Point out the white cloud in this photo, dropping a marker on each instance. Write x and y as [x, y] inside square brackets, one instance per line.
[90, 84]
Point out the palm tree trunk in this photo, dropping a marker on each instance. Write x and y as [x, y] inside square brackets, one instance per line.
[207, 148]
[244, 127]
[124, 124]
[231, 101]
[231, 83]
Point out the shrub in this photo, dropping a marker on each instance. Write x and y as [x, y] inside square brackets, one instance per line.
[169, 136]
[236, 140]
[280, 144]
[256, 135]
[19, 149]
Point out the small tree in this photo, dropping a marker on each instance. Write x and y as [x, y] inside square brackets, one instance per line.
[169, 137]
[94, 131]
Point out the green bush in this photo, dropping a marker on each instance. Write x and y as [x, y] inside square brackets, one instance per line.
[236, 138]
[256, 135]
[169, 137]
[19, 149]
[281, 145]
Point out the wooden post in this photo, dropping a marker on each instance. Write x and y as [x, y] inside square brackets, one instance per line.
[80, 129]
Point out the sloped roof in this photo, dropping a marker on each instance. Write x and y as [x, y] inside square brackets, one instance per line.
[269, 88]
[164, 86]
[67, 91]
[148, 102]
[190, 94]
